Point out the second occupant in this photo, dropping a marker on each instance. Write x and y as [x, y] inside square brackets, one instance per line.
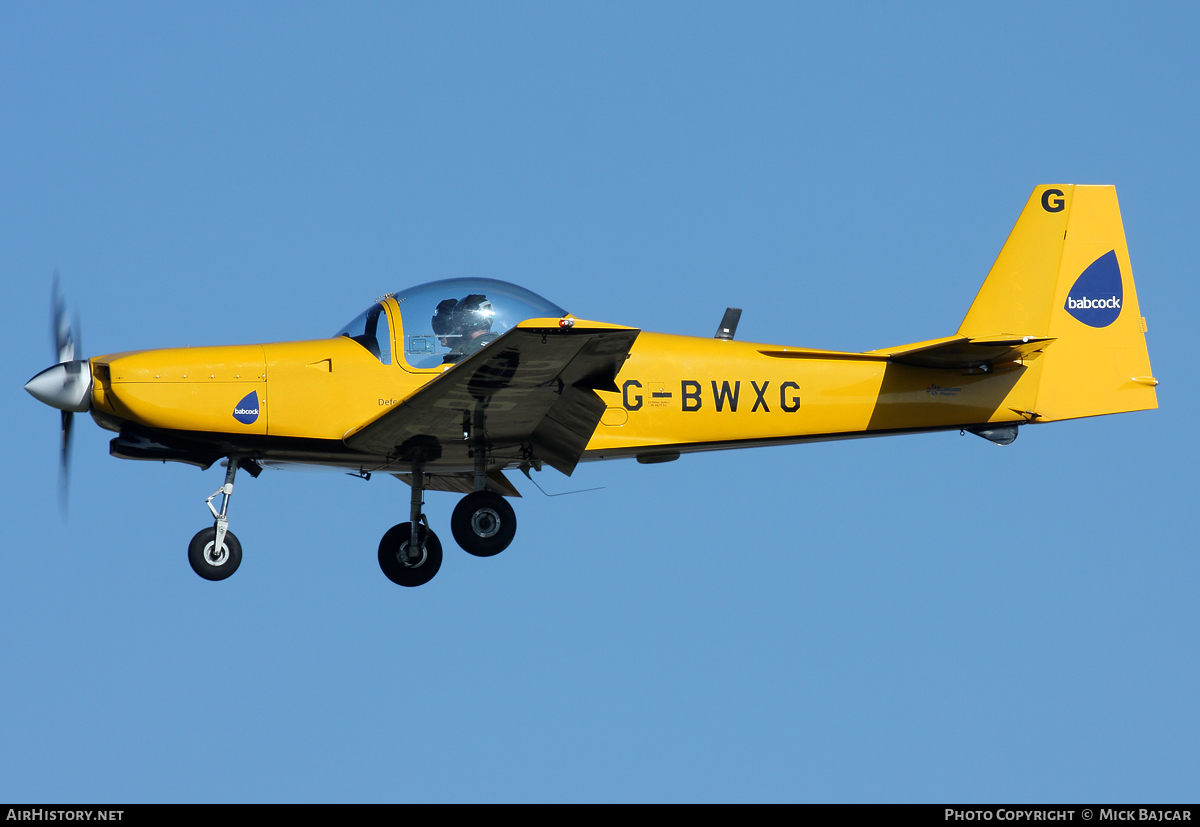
[444, 329]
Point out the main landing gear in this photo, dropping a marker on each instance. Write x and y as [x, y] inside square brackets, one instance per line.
[410, 554]
[483, 523]
[215, 553]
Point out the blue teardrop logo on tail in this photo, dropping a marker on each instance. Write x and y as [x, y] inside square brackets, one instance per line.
[246, 411]
[1095, 297]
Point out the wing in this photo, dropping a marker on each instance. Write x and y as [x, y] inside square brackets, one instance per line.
[531, 394]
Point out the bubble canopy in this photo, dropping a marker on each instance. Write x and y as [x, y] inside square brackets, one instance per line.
[443, 322]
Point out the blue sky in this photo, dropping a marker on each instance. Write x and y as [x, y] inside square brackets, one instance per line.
[926, 618]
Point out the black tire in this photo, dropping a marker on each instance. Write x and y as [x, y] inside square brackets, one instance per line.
[393, 556]
[211, 566]
[483, 523]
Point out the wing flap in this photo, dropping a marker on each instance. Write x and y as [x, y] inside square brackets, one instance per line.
[564, 431]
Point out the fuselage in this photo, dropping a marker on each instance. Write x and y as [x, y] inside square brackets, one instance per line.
[296, 401]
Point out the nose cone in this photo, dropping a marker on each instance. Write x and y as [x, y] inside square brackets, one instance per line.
[66, 386]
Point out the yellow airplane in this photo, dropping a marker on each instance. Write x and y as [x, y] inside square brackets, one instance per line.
[448, 384]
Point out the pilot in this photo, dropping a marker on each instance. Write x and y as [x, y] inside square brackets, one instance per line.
[472, 318]
[444, 327]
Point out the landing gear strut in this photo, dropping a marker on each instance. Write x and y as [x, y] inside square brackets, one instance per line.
[215, 553]
[409, 553]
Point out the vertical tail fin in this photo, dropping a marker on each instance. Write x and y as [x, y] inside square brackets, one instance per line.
[1064, 273]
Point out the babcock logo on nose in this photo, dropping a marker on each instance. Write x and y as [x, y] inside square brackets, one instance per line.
[1095, 297]
[246, 411]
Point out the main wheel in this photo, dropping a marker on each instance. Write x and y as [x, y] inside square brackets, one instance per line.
[483, 523]
[394, 559]
[211, 563]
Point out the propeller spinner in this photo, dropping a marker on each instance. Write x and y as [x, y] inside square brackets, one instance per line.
[66, 385]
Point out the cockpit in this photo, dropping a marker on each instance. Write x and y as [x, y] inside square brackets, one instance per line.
[444, 322]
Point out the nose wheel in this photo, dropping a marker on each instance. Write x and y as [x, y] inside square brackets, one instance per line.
[211, 562]
[215, 553]
[483, 523]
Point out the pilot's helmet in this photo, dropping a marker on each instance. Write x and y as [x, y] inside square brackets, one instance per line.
[443, 319]
[473, 313]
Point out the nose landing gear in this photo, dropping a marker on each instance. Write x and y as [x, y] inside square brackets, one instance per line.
[215, 553]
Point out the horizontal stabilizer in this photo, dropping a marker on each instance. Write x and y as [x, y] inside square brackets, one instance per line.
[964, 353]
[951, 353]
